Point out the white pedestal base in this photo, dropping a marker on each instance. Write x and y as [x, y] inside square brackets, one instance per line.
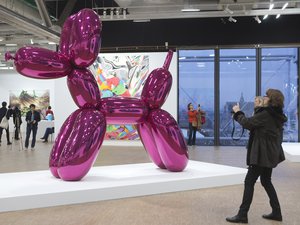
[292, 151]
[28, 190]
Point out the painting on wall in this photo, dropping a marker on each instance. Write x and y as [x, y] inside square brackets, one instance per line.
[121, 75]
[23, 99]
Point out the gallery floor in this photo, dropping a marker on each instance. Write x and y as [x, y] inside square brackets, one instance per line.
[204, 206]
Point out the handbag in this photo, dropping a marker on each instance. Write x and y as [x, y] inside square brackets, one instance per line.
[203, 119]
[4, 122]
[194, 124]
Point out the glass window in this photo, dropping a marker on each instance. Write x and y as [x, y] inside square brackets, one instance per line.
[237, 85]
[196, 86]
[279, 71]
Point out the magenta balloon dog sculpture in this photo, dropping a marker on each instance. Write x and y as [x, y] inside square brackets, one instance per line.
[79, 140]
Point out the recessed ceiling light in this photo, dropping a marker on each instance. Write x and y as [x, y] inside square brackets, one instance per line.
[11, 45]
[190, 10]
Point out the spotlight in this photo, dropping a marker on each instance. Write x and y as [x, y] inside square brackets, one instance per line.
[285, 5]
[265, 17]
[277, 16]
[228, 10]
[104, 13]
[271, 6]
[124, 13]
[257, 19]
[111, 14]
[118, 13]
[231, 19]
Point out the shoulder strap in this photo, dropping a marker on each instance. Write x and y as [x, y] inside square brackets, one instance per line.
[233, 130]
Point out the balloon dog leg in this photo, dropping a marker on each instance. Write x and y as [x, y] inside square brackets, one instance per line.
[60, 142]
[169, 140]
[145, 131]
[83, 144]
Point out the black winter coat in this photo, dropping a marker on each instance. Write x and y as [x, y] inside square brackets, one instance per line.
[3, 111]
[266, 135]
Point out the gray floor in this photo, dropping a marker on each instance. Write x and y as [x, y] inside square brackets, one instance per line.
[204, 206]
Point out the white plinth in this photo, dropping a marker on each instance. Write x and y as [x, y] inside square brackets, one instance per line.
[292, 151]
[28, 190]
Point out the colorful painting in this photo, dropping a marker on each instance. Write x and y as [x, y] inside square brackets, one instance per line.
[23, 99]
[125, 76]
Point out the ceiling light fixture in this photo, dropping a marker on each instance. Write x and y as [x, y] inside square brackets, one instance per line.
[271, 6]
[266, 16]
[51, 43]
[228, 10]
[111, 14]
[257, 19]
[118, 13]
[277, 16]
[231, 19]
[104, 13]
[31, 41]
[285, 5]
[124, 13]
[190, 10]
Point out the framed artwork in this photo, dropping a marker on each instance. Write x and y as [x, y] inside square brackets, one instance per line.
[23, 99]
[121, 75]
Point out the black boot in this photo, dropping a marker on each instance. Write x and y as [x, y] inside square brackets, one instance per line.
[237, 219]
[273, 216]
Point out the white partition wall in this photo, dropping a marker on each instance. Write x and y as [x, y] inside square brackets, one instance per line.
[10, 80]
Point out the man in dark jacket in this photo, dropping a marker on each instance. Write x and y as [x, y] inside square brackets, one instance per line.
[4, 111]
[32, 119]
[264, 152]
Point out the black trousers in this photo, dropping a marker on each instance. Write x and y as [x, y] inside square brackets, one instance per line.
[7, 134]
[49, 130]
[17, 132]
[192, 132]
[30, 128]
[265, 178]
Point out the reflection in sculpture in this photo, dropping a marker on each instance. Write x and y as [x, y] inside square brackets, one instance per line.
[79, 140]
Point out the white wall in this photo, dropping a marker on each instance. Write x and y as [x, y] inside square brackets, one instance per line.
[11, 80]
[61, 100]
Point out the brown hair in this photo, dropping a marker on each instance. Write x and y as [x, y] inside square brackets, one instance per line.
[276, 98]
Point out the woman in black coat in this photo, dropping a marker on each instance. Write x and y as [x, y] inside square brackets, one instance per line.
[264, 152]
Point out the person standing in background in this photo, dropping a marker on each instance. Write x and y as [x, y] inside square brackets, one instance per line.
[5, 112]
[192, 117]
[32, 119]
[49, 111]
[17, 121]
